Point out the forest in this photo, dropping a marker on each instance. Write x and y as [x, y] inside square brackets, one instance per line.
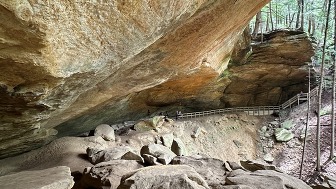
[317, 18]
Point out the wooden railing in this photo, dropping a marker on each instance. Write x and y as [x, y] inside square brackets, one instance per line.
[257, 110]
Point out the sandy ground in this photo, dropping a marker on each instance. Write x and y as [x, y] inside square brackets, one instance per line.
[230, 137]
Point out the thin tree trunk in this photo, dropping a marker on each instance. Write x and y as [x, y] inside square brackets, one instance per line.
[310, 24]
[318, 132]
[291, 21]
[313, 26]
[257, 25]
[297, 25]
[290, 17]
[271, 15]
[261, 31]
[307, 126]
[332, 147]
[302, 15]
[276, 14]
[267, 23]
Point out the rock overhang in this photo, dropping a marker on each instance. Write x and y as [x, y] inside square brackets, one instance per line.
[63, 60]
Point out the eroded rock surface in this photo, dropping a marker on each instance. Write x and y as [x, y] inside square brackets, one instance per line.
[63, 62]
[268, 73]
[164, 177]
[212, 170]
[107, 174]
[53, 178]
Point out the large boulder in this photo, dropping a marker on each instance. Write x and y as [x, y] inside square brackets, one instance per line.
[328, 183]
[167, 139]
[164, 177]
[162, 153]
[212, 170]
[107, 174]
[178, 147]
[150, 123]
[254, 165]
[52, 178]
[105, 131]
[283, 135]
[265, 179]
[103, 155]
[236, 187]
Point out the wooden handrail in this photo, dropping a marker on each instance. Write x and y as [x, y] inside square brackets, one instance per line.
[256, 110]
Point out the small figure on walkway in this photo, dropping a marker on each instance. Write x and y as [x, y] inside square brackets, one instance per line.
[148, 113]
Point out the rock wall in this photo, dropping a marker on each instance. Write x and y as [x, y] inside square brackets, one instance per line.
[268, 73]
[63, 61]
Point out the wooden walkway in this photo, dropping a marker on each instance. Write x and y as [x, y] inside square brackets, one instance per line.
[257, 110]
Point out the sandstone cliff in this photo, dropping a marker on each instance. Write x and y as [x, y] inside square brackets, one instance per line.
[61, 60]
[268, 73]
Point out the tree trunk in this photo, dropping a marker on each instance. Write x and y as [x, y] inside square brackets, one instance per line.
[302, 15]
[276, 14]
[261, 31]
[291, 21]
[318, 132]
[290, 16]
[267, 23]
[297, 25]
[310, 24]
[332, 147]
[313, 26]
[257, 25]
[270, 14]
[307, 126]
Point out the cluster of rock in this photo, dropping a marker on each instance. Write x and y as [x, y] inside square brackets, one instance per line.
[165, 164]
[281, 132]
[156, 166]
[328, 182]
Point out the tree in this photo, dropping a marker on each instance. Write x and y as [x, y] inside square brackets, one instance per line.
[271, 15]
[307, 125]
[297, 25]
[318, 132]
[257, 25]
[302, 15]
[332, 146]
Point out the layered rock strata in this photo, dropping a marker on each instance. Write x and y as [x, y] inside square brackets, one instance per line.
[62, 60]
[270, 72]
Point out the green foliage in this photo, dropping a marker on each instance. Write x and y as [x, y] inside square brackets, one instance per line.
[284, 16]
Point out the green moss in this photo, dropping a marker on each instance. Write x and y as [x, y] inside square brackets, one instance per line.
[287, 124]
[325, 111]
[225, 73]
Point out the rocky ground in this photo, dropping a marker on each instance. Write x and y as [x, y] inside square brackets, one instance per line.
[154, 147]
[287, 155]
